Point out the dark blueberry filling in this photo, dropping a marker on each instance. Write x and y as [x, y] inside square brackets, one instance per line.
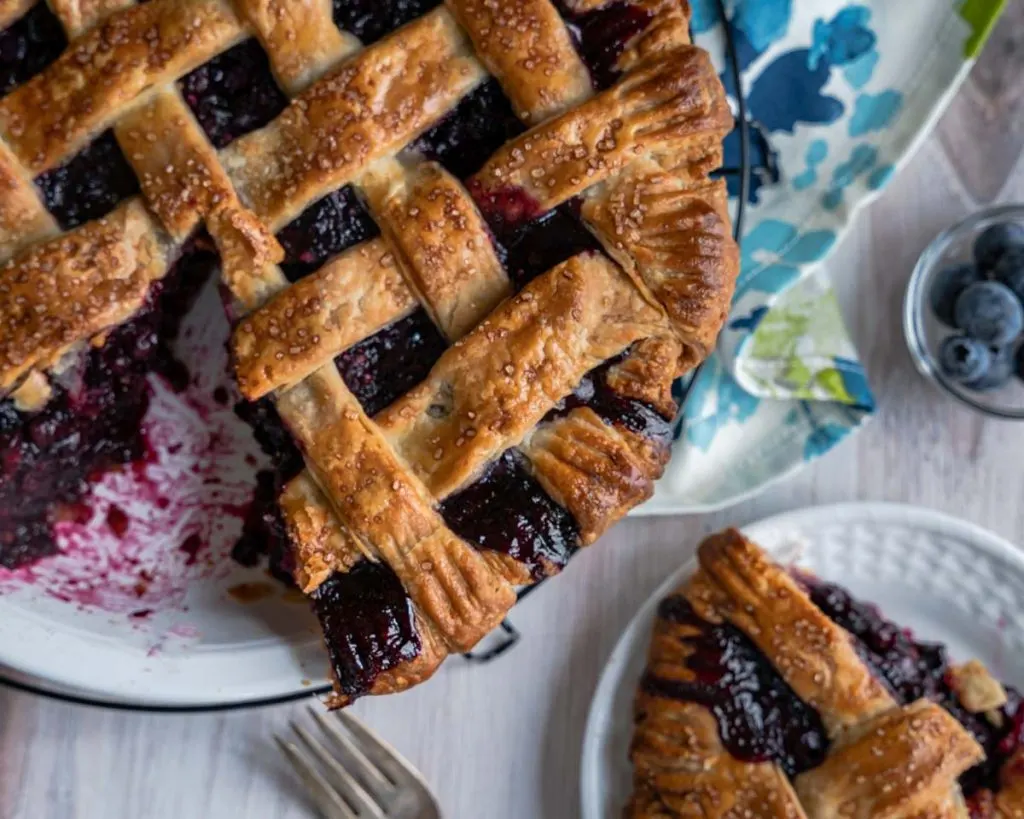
[530, 248]
[913, 670]
[368, 623]
[93, 420]
[636, 416]
[330, 225]
[759, 717]
[28, 46]
[472, 132]
[507, 209]
[264, 535]
[272, 436]
[507, 511]
[90, 184]
[234, 93]
[392, 361]
[601, 36]
[369, 20]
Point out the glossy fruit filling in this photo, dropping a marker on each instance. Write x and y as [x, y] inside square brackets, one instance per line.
[507, 511]
[234, 93]
[369, 20]
[93, 421]
[392, 361]
[602, 35]
[368, 623]
[28, 46]
[472, 132]
[264, 534]
[759, 717]
[330, 225]
[595, 393]
[533, 247]
[90, 184]
[913, 669]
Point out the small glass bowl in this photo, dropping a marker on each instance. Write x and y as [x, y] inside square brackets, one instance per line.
[924, 332]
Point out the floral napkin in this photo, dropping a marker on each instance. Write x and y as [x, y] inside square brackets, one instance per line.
[838, 95]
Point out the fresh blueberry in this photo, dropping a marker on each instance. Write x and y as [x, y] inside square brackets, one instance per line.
[964, 359]
[995, 241]
[999, 371]
[946, 289]
[990, 313]
[1010, 271]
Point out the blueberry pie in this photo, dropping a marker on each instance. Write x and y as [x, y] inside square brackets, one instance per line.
[771, 694]
[466, 248]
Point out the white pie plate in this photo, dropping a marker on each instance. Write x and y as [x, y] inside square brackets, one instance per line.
[138, 621]
[948, 580]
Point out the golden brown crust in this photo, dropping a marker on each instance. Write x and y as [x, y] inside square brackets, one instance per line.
[56, 112]
[641, 375]
[489, 389]
[79, 15]
[673, 237]
[812, 654]
[526, 45]
[1009, 800]
[301, 39]
[11, 10]
[249, 255]
[674, 106]
[305, 326]
[977, 690]
[681, 768]
[682, 771]
[32, 393]
[593, 469]
[370, 107]
[668, 30]
[442, 242]
[321, 544]
[23, 218]
[176, 165]
[67, 290]
[898, 765]
[452, 585]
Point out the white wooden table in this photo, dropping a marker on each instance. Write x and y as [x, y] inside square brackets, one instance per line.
[503, 741]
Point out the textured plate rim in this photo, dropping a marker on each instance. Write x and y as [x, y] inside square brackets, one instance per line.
[638, 627]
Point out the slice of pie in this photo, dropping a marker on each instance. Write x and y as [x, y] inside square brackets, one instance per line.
[467, 248]
[771, 693]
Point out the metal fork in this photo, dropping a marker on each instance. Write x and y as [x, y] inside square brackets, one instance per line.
[353, 774]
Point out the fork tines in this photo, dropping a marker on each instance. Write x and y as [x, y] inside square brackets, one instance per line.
[352, 773]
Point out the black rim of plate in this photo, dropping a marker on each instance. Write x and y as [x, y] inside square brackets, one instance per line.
[509, 635]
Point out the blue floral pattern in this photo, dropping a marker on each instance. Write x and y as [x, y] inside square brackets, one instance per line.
[837, 92]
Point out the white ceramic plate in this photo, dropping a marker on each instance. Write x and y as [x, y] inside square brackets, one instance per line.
[948, 580]
[144, 607]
